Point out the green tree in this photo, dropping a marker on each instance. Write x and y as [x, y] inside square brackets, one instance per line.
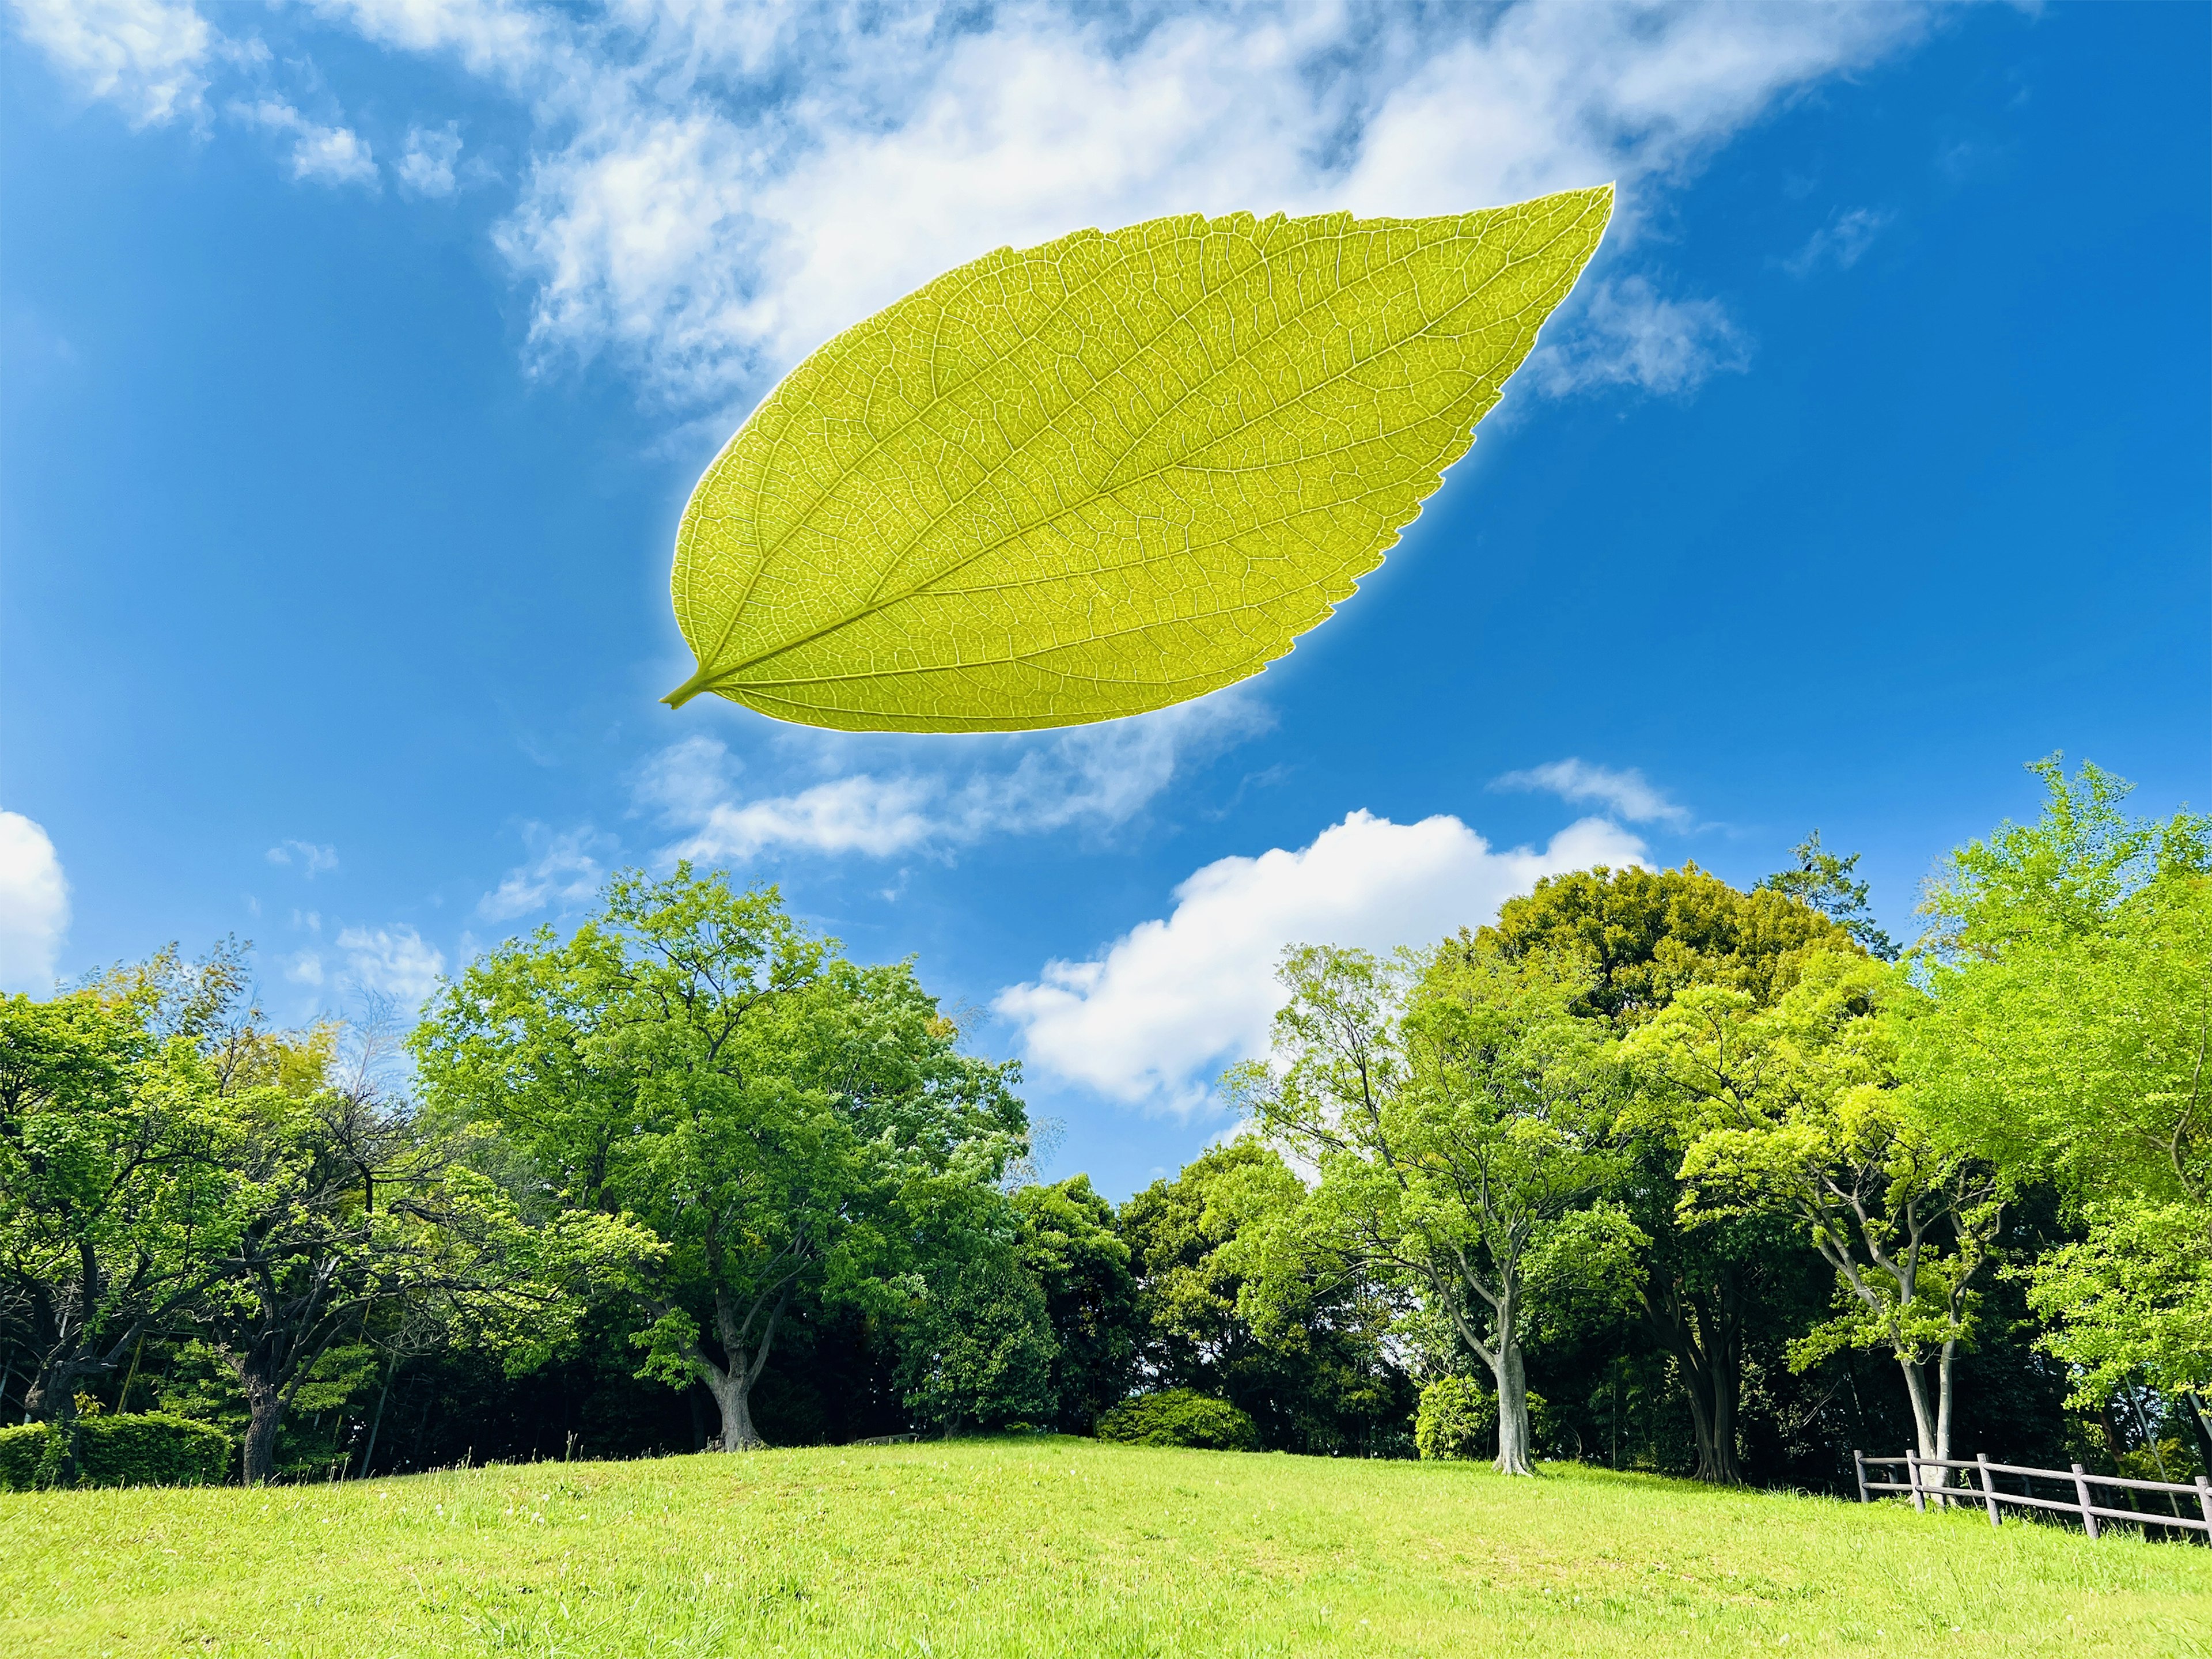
[776, 1116]
[979, 1347]
[1641, 937]
[1798, 1110]
[1460, 1117]
[2069, 968]
[1069, 1244]
[1232, 1307]
[110, 1205]
[1827, 881]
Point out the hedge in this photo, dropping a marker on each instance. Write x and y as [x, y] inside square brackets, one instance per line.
[139, 1448]
[1179, 1416]
[20, 1449]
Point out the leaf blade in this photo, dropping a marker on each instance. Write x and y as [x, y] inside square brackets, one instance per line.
[1088, 479]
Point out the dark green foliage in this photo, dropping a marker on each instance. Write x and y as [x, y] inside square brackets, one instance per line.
[1070, 1244]
[1322, 1384]
[980, 1351]
[1179, 1416]
[22, 1450]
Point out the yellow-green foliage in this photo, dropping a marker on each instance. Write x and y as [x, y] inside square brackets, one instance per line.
[1458, 1419]
[138, 1449]
[1043, 1547]
[1074, 482]
[1179, 1416]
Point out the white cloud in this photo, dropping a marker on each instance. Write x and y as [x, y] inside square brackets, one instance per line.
[304, 968]
[713, 239]
[1627, 793]
[1095, 775]
[149, 56]
[1628, 334]
[311, 858]
[34, 905]
[565, 872]
[714, 189]
[1840, 242]
[394, 962]
[327, 155]
[1152, 1020]
[426, 166]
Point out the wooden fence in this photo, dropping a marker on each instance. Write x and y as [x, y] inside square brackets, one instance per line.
[1921, 1489]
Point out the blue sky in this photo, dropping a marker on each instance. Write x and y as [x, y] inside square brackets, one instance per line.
[358, 357]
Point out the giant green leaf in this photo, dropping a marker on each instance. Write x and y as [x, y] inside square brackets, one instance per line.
[1069, 482]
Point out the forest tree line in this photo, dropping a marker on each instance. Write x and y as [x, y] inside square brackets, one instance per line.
[1652, 1171]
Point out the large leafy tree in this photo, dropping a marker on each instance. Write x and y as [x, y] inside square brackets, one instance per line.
[1460, 1118]
[694, 1059]
[2069, 963]
[111, 1203]
[1798, 1110]
[1068, 1243]
[1231, 1306]
[1639, 938]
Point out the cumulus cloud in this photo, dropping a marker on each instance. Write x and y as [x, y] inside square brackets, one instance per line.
[1840, 242]
[1151, 1020]
[714, 189]
[1626, 793]
[322, 154]
[150, 57]
[34, 905]
[564, 870]
[311, 858]
[1095, 776]
[393, 961]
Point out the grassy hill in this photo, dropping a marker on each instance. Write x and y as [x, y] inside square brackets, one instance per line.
[1055, 1546]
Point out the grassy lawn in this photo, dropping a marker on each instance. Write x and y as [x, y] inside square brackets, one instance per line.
[1060, 1547]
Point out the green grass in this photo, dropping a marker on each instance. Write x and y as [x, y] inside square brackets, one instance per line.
[1055, 1546]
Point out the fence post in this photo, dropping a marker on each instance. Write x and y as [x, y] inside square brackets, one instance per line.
[2082, 1491]
[1913, 1480]
[1989, 1491]
[1858, 1462]
[2204, 1502]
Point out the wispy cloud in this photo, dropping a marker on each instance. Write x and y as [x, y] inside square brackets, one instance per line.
[1841, 242]
[311, 858]
[150, 57]
[1626, 793]
[1628, 334]
[322, 154]
[395, 962]
[1095, 776]
[565, 869]
[713, 191]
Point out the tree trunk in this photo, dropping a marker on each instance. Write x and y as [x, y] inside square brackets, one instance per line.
[376, 1421]
[1916, 1390]
[265, 1406]
[1512, 1398]
[1708, 1356]
[733, 1391]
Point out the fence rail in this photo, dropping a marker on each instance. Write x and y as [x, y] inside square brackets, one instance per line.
[2083, 1504]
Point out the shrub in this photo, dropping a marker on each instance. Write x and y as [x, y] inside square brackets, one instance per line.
[1179, 1416]
[140, 1448]
[1457, 1419]
[150, 1448]
[22, 1449]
